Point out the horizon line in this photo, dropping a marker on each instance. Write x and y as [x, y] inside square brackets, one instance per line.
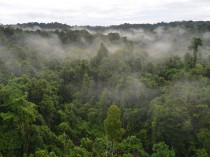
[149, 23]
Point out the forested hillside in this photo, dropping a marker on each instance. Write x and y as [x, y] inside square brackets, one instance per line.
[127, 90]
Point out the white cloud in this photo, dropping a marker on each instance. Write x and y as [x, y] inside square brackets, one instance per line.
[102, 12]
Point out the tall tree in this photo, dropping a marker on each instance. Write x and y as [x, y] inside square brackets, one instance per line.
[102, 53]
[112, 125]
[196, 42]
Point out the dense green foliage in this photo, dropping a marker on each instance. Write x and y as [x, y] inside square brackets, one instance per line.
[80, 94]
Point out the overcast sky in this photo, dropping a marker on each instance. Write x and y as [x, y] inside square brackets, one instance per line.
[103, 12]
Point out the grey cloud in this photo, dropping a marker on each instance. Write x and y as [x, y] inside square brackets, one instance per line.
[109, 13]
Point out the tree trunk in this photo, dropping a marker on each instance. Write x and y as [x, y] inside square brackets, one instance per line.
[195, 58]
[112, 149]
[106, 147]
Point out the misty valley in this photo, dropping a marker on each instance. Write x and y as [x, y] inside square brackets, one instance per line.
[130, 90]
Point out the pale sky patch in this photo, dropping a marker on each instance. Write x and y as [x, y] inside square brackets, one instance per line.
[103, 12]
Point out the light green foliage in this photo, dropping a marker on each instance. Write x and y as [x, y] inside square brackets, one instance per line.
[127, 155]
[113, 124]
[100, 146]
[198, 70]
[52, 154]
[43, 94]
[80, 152]
[17, 112]
[41, 153]
[64, 127]
[131, 146]
[162, 150]
[87, 144]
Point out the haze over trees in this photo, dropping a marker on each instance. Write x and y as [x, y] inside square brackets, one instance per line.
[129, 90]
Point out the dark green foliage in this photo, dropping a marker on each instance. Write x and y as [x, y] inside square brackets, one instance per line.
[197, 26]
[52, 25]
[113, 36]
[75, 37]
[61, 104]
[101, 54]
[201, 153]
[196, 42]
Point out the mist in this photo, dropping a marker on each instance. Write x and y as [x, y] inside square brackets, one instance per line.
[62, 83]
[148, 46]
